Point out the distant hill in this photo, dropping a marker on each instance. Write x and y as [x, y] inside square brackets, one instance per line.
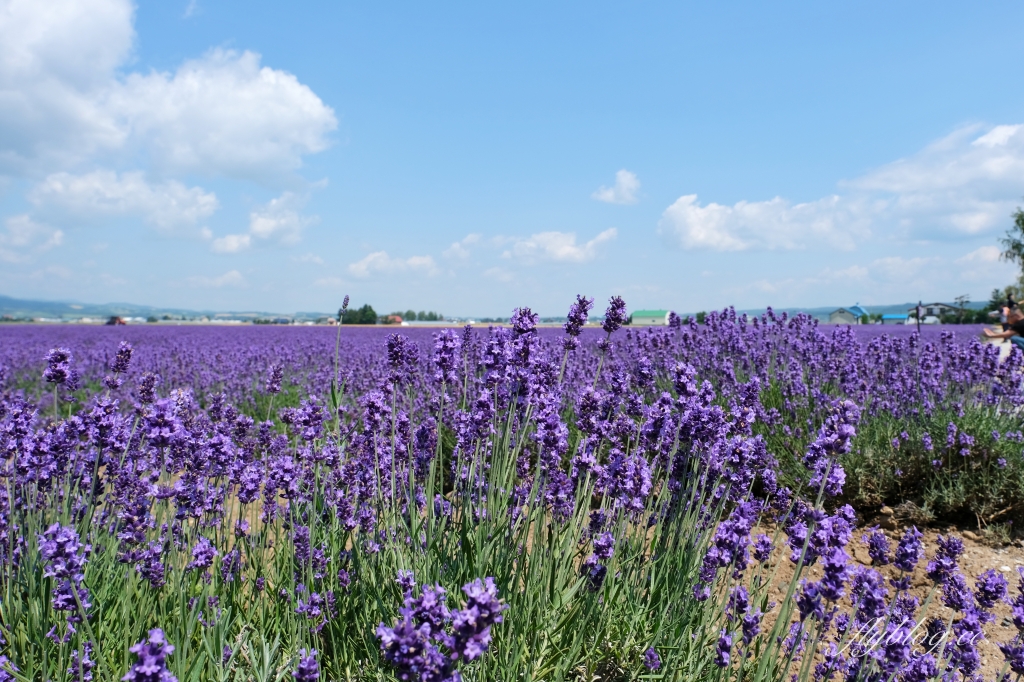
[71, 310]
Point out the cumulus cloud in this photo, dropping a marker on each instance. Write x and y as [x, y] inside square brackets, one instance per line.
[279, 219]
[379, 262]
[460, 250]
[962, 186]
[23, 236]
[231, 278]
[108, 194]
[985, 254]
[224, 113]
[984, 265]
[558, 246]
[773, 224]
[63, 99]
[231, 243]
[622, 192]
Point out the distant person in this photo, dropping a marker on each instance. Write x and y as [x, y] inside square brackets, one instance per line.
[1014, 328]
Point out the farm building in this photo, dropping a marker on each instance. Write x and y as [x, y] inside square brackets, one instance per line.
[935, 309]
[849, 315]
[894, 319]
[650, 318]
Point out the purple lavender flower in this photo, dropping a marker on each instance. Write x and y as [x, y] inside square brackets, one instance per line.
[834, 439]
[878, 547]
[575, 321]
[763, 548]
[614, 315]
[722, 649]
[909, 550]
[989, 588]
[955, 593]
[58, 366]
[1013, 652]
[65, 558]
[147, 387]
[407, 581]
[308, 670]
[652, 661]
[81, 666]
[446, 350]
[524, 321]
[151, 663]
[122, 359]
[604, 545]
[471, 625]
[945, 561]
[202, 556]
[273, 384]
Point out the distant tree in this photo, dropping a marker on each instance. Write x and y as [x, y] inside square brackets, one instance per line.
[864, 319]
[364, 315]
[701, 316]
[961, 303]
[1013, 241]
[409, 315]
[151, 318]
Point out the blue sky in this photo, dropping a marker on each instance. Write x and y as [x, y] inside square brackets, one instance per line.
[472, 157]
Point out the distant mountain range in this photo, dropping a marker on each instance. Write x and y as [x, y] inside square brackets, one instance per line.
[21, 309]
[71, 310]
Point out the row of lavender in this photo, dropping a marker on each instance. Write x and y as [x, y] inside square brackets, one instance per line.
[596, 498]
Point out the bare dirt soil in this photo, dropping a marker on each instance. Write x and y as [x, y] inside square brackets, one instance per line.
[979, 556]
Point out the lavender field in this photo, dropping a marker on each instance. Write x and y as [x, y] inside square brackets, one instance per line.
[510, 503]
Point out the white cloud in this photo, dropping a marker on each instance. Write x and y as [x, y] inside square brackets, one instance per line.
[963, 185]
[231, 243]
[106, 194]
[224, 113]
[63, 100]
[499, 274]
[558, 246]
[23, 236]
[984, 265]
[329, 282]
[773, 224]
[623, 192]
[308, 258]
[381, 262]
[459, 250]
[232, 278]
[278, 219]
[57, 63]
[985, 254]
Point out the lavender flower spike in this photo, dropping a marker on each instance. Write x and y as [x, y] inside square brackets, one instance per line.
[614, 315]
[151, 665]
[308, 669]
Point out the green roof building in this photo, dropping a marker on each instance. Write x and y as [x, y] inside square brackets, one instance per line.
[650, 318]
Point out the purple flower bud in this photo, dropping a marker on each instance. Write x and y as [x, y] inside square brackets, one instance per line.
[652, 661]
[878, 547]
[151, 663]
[909, 550]
[614, 315]
[308, 670]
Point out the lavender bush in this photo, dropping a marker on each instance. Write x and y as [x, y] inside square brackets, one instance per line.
[509, 504]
